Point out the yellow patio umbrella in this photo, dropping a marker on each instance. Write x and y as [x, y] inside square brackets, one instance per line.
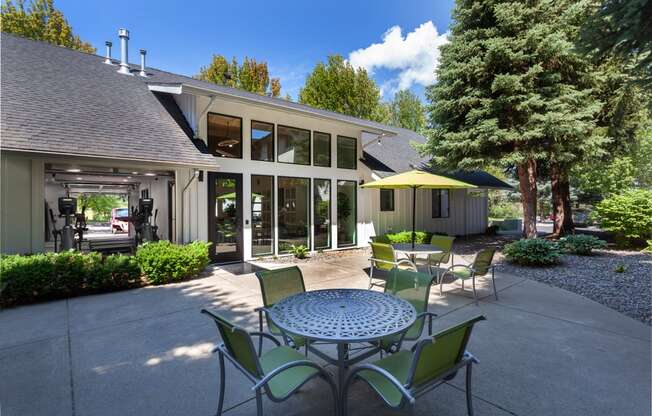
[417, 179]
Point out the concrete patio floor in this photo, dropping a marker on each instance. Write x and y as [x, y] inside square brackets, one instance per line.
[542, 351]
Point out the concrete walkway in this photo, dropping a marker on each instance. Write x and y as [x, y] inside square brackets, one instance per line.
[542, 351]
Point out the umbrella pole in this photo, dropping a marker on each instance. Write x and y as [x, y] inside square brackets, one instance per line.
[414, 211]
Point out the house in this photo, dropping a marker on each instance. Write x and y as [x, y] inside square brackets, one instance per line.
[252, 174]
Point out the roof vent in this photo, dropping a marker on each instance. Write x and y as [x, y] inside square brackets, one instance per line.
[142, 72]
[124, 52]
[107, 60]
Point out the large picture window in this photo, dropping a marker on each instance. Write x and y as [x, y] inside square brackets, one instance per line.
[293, 145]
[262, 141]
[387, 200]
[262, 215]
[322, 213]
[293, 213]
[322, 149]
[346, 213]
[225, 135]
[347, 153]
[440, 203]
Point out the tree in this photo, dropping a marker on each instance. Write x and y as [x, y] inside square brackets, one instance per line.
[337, 86]
[40, 21]
[251, 75]
[407, 111]
[101, 204]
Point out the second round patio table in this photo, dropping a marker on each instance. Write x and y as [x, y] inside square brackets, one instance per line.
[343, 317]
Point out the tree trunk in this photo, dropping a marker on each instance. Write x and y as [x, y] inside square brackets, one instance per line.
[561, 203]
[527, 179]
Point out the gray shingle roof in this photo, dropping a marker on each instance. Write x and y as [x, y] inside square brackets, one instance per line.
[56, 100]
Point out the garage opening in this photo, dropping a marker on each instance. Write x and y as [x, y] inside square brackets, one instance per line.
[106, 209]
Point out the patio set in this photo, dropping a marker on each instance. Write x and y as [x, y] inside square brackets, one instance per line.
[358, 323]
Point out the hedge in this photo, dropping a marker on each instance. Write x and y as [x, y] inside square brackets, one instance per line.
[39, 277]
[420, 237]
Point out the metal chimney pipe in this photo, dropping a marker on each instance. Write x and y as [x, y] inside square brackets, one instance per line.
[124, 52]
[142, 72]
[107, 60]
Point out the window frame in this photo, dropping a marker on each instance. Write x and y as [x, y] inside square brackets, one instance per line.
[330, 150]
[208, 134]
[432, 202]
[278, 159]
[393, 200]
[277, 223]
[355, 159]
[274, 207]
[251, 140]
[355, 213]
[330, 213]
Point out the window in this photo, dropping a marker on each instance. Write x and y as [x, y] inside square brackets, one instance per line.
[322, 213]
[322, 149]
[262, 141]
[346, 213]
[347, 155]
[262, 215]
[387, 200]
[440, 203]
[293, 213]
[293, 145]
[225, 135]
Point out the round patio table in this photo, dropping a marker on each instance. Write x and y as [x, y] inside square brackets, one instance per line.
[412, 252]
[343, 317]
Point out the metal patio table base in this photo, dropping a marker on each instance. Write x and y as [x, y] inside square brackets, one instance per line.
[343, 317]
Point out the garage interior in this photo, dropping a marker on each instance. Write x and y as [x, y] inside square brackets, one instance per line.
[114, 229]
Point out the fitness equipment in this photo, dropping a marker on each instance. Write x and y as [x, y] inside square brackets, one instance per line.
[56, 233]
[140, 218]
[67, 210]
[80, 226]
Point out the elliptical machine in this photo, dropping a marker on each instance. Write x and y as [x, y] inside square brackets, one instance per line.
[67, 210]
[145, 230]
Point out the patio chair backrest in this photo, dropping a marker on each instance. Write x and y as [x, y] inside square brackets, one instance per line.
[237, 342]
[483, 260]
[445, 243]
[280, 283]
[411, 286]
[385, 252]
[433, 357]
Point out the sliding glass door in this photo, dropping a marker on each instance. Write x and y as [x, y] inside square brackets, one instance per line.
[346, 213]
[262, 215]
[322, 213]
[293, 212]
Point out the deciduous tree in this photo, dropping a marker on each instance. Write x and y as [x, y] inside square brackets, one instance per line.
[251, 75]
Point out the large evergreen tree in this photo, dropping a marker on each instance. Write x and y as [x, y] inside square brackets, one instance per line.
[40, 21]
[337, 86]
[251, 75]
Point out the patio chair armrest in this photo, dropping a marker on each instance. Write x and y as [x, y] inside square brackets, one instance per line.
[217, 348]
[374, 260]
[470, 357]
[287, 366]
[267, 336]
[410, 262]
[370, 367]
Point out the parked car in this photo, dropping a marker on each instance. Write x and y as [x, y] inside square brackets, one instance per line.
[119, 223]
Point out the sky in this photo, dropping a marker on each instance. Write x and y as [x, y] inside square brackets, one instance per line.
[396, 41]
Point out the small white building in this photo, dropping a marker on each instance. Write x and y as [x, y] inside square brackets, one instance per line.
[250, 173]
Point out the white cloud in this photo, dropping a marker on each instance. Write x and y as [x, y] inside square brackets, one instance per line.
[414, 56]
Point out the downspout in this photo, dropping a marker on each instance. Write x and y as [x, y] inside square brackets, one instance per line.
[183, 201]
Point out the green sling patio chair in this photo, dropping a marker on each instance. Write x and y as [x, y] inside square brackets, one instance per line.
[278, 373]
[445, 243]
[481, 266]
[383, 259]
[402, 377]
[276, 285]
[413, 287]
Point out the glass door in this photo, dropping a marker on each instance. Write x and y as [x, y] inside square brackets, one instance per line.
[322, 213]
[346, 213]
[225, 216]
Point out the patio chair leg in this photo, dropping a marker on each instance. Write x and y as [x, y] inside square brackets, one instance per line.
[475, 294]
[371, 277]
[462, 284]
[441, 284]
[469, 395]
[220, 400]
[259, 403]
[260, 328]
[493, 280]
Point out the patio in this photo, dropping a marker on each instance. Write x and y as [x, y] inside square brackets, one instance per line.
[542, 351]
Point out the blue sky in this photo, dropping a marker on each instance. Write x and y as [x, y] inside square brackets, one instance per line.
[292, 36]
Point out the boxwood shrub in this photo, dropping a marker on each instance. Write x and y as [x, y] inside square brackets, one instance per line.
[533, 252]
[420, 237]
[163, 262]
[581, 244]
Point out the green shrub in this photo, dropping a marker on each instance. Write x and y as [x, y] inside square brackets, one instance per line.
[628, 215]
[533, 252]
[648, 247]
[117, 272]
[300, 251]
[581, 244]
[420, 237]
[163, 262]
